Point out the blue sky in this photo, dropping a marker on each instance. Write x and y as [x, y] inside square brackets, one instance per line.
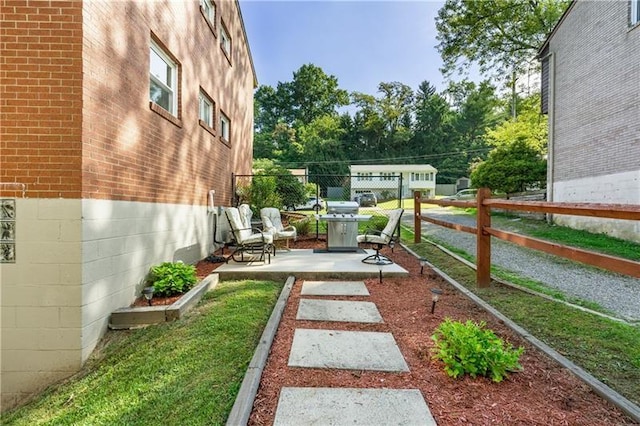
[362, 43]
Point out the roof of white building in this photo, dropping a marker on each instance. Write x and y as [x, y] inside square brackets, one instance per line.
[402, 168]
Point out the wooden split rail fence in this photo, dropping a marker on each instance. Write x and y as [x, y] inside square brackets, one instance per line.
[483, 230]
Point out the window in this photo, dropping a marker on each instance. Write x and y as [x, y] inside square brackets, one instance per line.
[209, 10]
[635, 12]
[206, 109]
[225, 41]
[163, 78]
[225, 127]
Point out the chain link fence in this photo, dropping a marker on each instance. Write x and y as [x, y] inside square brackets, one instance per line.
[300, 197]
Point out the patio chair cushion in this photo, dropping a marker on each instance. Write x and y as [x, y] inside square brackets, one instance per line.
[384, 236]
[242, 234]
[272, 223]
[245, 215]
[372, 238]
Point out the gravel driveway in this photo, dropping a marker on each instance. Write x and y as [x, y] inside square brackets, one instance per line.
[619, 294]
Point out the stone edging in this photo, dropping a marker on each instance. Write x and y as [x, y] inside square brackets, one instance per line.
[249, 388]
[125, 318]
[628, 407]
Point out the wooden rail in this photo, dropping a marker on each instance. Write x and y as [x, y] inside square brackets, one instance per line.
[484, 231]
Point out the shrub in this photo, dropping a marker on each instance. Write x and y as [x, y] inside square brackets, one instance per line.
[303, 226]
[377, 222]
[171, 278]
[471, 348]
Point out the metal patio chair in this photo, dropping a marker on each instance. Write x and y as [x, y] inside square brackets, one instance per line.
[248, 240]
[272, 223]
[379, 239]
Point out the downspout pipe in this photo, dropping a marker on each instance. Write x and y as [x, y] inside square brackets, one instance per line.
[551, 137]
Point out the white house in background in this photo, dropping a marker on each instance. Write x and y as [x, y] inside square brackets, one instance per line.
[591, 92]
[389, 178]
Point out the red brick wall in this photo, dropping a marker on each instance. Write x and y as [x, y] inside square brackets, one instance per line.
[76, 120]
[40, 97]
[134, 153]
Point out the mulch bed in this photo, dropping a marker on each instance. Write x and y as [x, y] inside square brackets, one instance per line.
[544, 393]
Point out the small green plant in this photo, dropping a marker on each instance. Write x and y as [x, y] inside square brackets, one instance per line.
[471, 348]
[303, 226]
[377, 222]
[171, 278]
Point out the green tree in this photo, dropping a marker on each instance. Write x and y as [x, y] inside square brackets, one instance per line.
[323, 147]
[530, 126]
[432, 125]
[289, 191]
[512, 167]
[314, 94]
[282, 115]
[368, 127]
[497, 35]
[474, 111]
[263, 193]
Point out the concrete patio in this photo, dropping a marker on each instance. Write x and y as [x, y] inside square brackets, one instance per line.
[305, 264]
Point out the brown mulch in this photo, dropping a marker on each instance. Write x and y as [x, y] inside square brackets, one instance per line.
[544, 393]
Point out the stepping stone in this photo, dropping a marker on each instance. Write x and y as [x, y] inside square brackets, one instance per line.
[334, 288]
[348, 350]
[348, 406]
[338, 310]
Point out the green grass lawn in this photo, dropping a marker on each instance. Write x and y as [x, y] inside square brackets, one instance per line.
[600, 243]
[180, 373]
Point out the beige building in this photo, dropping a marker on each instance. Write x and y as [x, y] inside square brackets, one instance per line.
[117, 120]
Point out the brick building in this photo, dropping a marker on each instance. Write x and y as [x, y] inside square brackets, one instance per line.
[117, 118]
[591, 92]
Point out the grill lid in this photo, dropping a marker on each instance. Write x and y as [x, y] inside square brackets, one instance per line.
[342, 207]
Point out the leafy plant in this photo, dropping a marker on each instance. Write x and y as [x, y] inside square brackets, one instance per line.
[171, 278]
[471, 348]
[303, 226]
[377, 222]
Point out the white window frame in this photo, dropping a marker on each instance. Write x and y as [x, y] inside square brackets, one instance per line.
[172, 88]
[225, 40]
[635, 11]
[225, 127]
[205, 103]
[209, 10]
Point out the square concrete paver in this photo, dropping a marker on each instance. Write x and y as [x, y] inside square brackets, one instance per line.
[338, 310]
[357, 350]
[348, 406]
[334, 288]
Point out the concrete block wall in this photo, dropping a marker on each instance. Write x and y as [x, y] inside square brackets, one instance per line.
[618, 188]
[41, 298]
[121, 241]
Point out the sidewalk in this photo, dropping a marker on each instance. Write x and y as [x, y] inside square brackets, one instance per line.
[350, 350]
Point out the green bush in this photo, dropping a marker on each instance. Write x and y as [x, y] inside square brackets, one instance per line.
[171, 278]
[303, 226]
[471, 348]
[377, 222]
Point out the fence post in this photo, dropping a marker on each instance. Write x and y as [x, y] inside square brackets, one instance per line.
[417, 222]
[483, 249]
[233, 189]
[400, 198]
